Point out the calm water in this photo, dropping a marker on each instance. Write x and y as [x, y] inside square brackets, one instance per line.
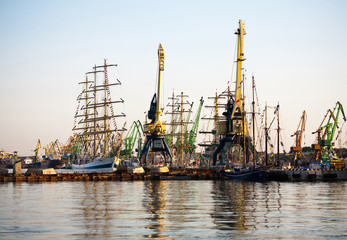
[173, 209]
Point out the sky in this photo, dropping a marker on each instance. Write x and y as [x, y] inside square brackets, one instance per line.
[296, 51]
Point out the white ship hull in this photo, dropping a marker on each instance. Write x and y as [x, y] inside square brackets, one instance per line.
[101, 165]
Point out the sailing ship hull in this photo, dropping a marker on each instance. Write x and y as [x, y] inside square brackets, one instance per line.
[251, 176]
[102, 165]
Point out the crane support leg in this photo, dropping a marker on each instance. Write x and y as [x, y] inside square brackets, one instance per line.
[145, 152]
[218, 150]
[155, 144]
[233, 140]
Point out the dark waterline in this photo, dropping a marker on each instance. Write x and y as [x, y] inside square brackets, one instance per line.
[173, 209]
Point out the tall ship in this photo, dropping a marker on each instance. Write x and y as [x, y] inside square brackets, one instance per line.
[98, 140]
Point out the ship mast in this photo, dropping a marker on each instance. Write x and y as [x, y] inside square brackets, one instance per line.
[266, 137]
[95, 115]
[278, 133]
[253, 123]
[105, 104]
[86, 112]
[105, 110]
[92, 129]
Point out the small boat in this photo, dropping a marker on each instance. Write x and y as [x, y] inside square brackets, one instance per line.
[251, 176]
[100, 165]
[239, 172]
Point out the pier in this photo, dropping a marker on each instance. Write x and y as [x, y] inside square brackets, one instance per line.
[119, 175]
[290, 175]
[307, 175]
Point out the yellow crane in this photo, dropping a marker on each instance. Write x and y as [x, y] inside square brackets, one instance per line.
[36, 150]
[53, 150]
[234, 128]
[67, 148]
[155, 129]
[5, 155]
[297, 149]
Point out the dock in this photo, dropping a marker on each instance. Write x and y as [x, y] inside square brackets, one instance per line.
[290, 175]
[307, 175]
[119, 175]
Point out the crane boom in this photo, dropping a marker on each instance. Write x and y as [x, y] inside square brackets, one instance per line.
[37, 149]
[240, 58]
[297, 149]
[194, 130]
[339, 109]
[161, 58]
[156, 127]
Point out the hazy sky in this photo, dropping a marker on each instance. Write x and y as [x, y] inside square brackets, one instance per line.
[295, 49]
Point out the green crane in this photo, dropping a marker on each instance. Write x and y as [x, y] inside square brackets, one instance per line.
[133, 135]
[193, 132]
[330, 131]
[78, 144]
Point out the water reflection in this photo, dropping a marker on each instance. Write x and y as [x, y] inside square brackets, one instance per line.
[95, 209]
[244, 206]
[279, 202]
[267, 208]
[155, 202]
[173, 209]
[229, 213]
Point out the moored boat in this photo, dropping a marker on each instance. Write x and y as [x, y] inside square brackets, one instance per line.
[98, 141]
[100, 165]
[252, 175]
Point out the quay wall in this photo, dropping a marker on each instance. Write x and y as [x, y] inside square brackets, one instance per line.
[119, 175]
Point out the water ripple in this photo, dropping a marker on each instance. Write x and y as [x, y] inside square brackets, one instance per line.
[173, 209]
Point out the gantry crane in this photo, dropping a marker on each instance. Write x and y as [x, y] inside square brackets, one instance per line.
[68, 147]
[193, 132]
[134, 134]
[53, 150]
[6, 155]
[297, 149]
[327, 143]
[155, 129]
[234, 129]
[36, 151]
[318, 150]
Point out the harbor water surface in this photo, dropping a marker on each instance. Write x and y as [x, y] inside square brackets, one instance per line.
[173, 210]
